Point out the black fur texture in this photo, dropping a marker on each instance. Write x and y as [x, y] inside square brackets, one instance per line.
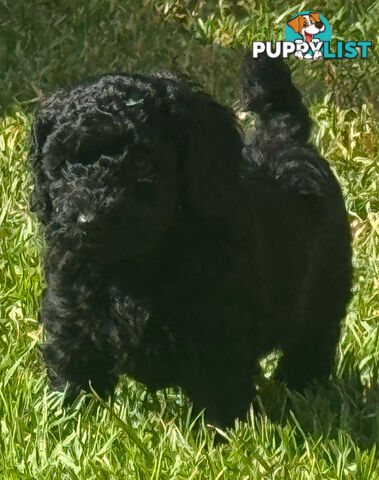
[179, 255]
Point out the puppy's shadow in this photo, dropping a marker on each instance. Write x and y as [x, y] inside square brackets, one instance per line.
[324, 408]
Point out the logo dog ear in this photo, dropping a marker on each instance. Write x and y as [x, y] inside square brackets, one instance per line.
[315, 16]
[295, 24]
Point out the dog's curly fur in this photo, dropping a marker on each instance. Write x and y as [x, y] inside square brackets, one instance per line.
[178, 254]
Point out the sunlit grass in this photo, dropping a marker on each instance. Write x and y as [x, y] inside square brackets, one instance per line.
[327, 433]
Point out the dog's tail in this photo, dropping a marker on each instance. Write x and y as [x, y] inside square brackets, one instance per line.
[268, 90]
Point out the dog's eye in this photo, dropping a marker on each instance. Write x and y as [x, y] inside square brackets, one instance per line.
[89, 153]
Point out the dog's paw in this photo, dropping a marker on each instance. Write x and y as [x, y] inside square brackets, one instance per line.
[299, 54]
[317, 53]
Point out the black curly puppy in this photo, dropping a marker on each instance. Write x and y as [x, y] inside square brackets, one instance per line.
[179, 255]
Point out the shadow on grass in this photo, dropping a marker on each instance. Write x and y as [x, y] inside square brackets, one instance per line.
[100, 37]
[324, 408]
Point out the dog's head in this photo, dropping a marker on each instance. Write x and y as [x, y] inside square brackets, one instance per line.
[307, 25]
[119, 159]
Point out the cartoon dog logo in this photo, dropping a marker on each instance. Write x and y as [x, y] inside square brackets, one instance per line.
[307, 25]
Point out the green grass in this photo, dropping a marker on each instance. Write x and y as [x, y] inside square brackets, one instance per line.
[330, 431]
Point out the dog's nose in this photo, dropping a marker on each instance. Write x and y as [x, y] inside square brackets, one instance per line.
[319, 24]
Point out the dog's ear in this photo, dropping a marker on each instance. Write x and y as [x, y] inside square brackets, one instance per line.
[213, 152]
[41, 128]
[295, 23]
[315, 16]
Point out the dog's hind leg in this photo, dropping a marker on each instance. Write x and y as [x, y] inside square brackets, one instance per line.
[308, 354]
[305, 262]
[302, 238]
[309, 346]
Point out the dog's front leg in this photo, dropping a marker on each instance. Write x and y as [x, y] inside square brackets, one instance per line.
[74, 315]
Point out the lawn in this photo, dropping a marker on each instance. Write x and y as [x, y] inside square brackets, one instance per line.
[330, 431]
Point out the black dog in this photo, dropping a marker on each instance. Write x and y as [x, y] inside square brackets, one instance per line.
[179, 255]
